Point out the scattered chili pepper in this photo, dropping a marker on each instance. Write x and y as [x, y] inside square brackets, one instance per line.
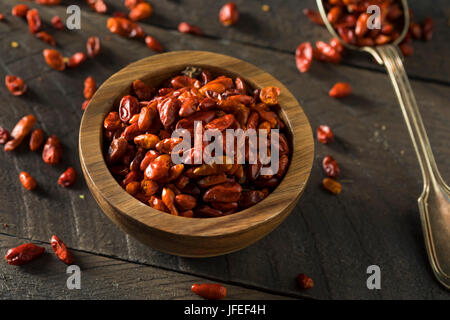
[36, 140]
[304, 56]
[185, 27]
[229, 14]
[44, 36]
[304, 281]
[211, 291]
[332, 185]
[340, 90]
[23, 254]
[67, 178]
[54, 59]
[34, 20]
[76, 59]
[61, 251]
[52, 152]
[330, 166]
[141, 11]
[124, 27]
[314, 16]
[324, 134]
[153, 44]
[93, 47]
[85, 104]
[20, 131]
[57, 23]
[98, 6]
[20, 10]
[15, 85]
[90, 87]
[27, 180]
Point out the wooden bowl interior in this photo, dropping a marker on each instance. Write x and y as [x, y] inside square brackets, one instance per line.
[156, 69]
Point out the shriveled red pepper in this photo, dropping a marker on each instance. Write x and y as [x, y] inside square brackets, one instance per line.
[61, 251]
[20, 131]
[67, 178]
[34, 20]
[23, 254]
[15, 85]
[211, 291]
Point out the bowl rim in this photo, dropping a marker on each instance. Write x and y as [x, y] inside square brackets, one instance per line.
[91, 155]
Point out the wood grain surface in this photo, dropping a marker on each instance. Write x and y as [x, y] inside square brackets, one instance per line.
[103, 278]
[375, 220]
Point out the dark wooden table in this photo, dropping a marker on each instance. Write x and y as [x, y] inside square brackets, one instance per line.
[375, 220]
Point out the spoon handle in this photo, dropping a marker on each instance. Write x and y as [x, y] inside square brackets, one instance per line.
[434, 202]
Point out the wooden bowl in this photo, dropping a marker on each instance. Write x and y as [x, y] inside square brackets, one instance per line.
[192, 237]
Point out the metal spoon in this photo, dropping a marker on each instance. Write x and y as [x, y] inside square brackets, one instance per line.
[434, 202]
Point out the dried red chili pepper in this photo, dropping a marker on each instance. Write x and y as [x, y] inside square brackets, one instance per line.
[340, 90]
[406, 49]
[93, 47]
[185, 27]
[269, 95]
[23, 254]
[142, 91]
[98, 6]
[168, 197]
[129, 106]
[324, 134]
[141, 11]
[47, 38]
[303, 56]
[153, 44]
[330, 166]
[229, 14]
[20, 131]
[85, 104]
[334, 14]
[34, 20]
[67, 178]
[61, 250]
[54, 59]
[124, 27]
[141, 145]
[15, 85]
[133, 187]
[27, 180]
[36, 140]
[332, 185]
[90, 87]
[52, 152]
[211, 291]
[304, 281]
[329, 53]
[57, 23]
[314, 16]
[20, 10]
[76, 59]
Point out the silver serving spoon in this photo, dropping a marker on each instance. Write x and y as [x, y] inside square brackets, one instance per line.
[434, 202]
